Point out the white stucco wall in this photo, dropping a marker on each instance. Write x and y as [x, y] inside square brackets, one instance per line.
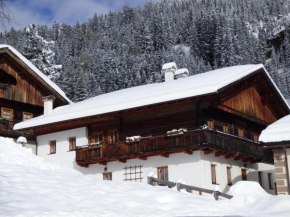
[194, 169]
[62, 156]
[31, 145]
[221, 170]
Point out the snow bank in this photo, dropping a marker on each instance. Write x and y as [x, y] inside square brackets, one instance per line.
[205, 83]
[30, 187]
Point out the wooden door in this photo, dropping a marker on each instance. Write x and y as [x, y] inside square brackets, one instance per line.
[244, 175]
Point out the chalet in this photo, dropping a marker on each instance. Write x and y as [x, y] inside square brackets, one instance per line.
[277, 138]
[203, 129]
[22, 88]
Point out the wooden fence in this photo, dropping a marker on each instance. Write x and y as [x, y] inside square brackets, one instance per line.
[179, 186]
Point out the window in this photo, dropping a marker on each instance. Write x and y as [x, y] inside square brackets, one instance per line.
[260, 175]
[7, 113]
[229, 175]
[270, 180]
[107, 176]
[241, 132]
[256, 137]
[226, 128]
[52, 145]
[72, 143]
[213, 174]
[162, 173]
[210, 123]
[26, 116]
[99, 137]
[244, 175]
[113, 136]
[133, 173]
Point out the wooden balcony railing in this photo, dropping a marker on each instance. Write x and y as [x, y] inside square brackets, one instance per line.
[204, 139]
[6, 128]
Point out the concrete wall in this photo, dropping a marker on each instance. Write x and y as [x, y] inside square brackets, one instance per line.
[62, 156]
[194, 169]
[31, 145]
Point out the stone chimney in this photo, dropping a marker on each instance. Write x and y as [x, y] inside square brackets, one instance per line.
[168, 69]
[48, 104]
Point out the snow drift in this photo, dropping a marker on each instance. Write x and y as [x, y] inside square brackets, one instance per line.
[32, 187]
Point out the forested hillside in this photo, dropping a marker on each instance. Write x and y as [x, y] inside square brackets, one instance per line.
[127, 48]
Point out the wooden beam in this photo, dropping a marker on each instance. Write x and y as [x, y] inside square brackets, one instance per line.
[83, 165]
[102, 162]
[239, 157]
[207, 151]
[164, 155]
[219, 153]
[230, 154]
[122, 160]
[190, 152]
[142, 157]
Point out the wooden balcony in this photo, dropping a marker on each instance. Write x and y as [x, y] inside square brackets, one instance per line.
[6, 129]
[219, 143]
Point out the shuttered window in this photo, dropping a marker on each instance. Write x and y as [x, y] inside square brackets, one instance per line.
[52, 145]
[72, 143]
[213, 174]
[229, 175]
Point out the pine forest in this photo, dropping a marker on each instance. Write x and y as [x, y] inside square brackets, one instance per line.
[127, 48]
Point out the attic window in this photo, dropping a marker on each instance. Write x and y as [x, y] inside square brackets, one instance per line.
[6, 79]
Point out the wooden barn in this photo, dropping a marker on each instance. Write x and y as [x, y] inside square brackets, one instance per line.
[22, 88]
[203, 129]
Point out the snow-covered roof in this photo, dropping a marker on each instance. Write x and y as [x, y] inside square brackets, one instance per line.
[196, 85]
[279, 131]
[36, 70]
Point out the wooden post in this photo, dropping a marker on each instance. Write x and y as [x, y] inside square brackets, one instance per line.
[216, 195]
[178, 186]
[149, 181]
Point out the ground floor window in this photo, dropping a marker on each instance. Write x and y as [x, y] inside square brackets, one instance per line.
[72, 143]
[213, 174]
[52, 145]
[244, 175]
[260, 176]
[162, 173]
[133, 173]
[229, 175]
[270, 180]
[107, 176]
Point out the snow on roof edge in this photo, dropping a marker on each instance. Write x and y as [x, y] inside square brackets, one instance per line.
[281, 95]
[37, 71]
[241, 72]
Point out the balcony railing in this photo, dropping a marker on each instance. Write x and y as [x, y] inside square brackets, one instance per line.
[6, 128]
[204, 139]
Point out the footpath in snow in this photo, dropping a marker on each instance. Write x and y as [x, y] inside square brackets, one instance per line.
[31, 187]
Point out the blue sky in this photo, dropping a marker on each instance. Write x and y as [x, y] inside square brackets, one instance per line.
[62, 11]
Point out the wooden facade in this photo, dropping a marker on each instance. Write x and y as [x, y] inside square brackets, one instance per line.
[236, 115]
[21, 93]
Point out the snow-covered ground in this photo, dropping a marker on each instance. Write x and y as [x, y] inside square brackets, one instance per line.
[30, 187]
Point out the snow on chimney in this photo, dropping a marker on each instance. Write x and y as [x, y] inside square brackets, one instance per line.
[168, 69]
[181, 73]
[48, 104]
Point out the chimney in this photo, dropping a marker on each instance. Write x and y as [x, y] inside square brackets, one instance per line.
[168, 69]
[48, 104]
[181, 73]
